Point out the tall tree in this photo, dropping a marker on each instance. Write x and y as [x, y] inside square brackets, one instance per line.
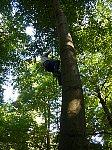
[95, 66]
[72, 128]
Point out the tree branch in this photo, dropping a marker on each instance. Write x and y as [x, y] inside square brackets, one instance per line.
[96, 133]
[105, 108]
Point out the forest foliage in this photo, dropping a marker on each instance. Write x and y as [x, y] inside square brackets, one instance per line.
[32, 120]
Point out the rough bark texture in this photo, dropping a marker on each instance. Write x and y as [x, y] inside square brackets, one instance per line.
[72, 127]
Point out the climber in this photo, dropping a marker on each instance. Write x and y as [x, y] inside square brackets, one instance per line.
[51, 65]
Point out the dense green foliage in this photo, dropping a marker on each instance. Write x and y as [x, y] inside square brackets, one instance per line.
[32, 121]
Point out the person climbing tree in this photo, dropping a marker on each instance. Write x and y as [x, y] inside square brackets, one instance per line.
[51, 65]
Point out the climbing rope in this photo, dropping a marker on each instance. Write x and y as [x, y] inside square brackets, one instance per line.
[55, 87]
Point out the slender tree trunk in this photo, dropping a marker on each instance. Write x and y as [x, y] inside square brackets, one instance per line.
[48, 126]
[72, 126]
[47, 122]
[105, 108]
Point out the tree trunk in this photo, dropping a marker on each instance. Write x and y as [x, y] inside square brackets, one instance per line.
[105, 108]
[47, 123]
[48, 126]
[72, 126]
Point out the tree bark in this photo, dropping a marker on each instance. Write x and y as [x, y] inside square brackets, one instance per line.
[72, 126]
